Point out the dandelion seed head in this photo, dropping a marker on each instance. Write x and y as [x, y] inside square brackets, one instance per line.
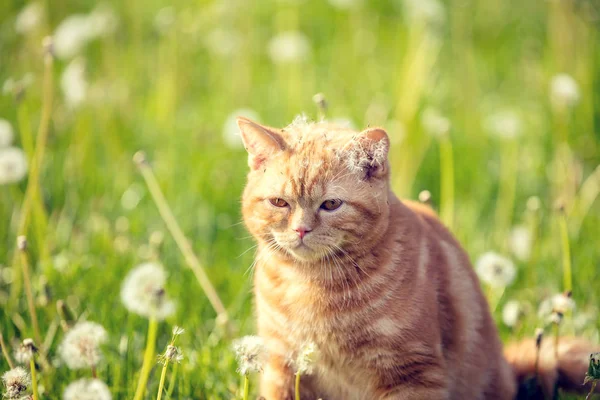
[289, 47]
[564, 91]
[16, 381]
[430, 12]
[81, 346]
[177, 330]
[434, 123]
[520, 242]
[556, 317]
[223, 42]
[505, 124]
[102, 21]
[495, 270]
[172, 354]
[87, 389]
[231, 132]
[29, 18]
[307, 358]
[511, 313]
[71, 36]
[251, 353]
[25, 352]
[6, 133]
[13, 165]
[143, 292]
[74, 84]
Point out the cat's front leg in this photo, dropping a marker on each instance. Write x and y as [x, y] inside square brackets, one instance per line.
[278, 381]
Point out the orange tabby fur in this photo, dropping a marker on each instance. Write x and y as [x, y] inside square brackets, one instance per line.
[379, 285]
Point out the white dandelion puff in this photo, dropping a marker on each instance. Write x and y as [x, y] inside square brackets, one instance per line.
[87, 389]
[13, 165]
[231, 132]
[143, 292]
[434, 123]
[25, 352]
[223, 42]
[504, 124]
[102, 21]
[16, 381]
[164, 19]
[430, 12]
[511, 313]
[6, 133]
[81, 346]
[289, 47]
[564, 91]
[73, 83]
[560, 303]
[71, 36]
[173, 355]
[495, 270]
[177, 330]
[307, 358]
[520, 242]
[29, 18]
[251, 354]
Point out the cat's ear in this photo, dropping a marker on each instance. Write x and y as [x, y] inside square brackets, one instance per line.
[368, 152]
[260, 141]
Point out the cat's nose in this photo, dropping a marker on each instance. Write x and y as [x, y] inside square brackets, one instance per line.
[302, 231]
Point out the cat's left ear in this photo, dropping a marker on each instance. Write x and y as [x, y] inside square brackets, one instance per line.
[260, 141]
[369, 152]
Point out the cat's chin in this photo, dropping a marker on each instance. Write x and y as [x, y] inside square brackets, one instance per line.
[304, 253]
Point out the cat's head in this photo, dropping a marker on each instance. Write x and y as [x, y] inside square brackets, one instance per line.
[315, 189]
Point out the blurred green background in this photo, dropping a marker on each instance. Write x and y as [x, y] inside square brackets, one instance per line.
[493, 106]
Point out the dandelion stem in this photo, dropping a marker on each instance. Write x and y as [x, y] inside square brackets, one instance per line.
[148, 359]
[22, 245]
[163, 374]
[447, 181]
[177, 233]
[172, 383]
[297, 387]
[34, 385]
[593, 388]
[94, 373]
[566, 252]
[246, 387]
[5, 352]
[32, 191]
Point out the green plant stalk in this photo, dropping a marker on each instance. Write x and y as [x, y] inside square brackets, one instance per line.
[566, 253]
[5, 352]
[246, 387]
[29, 295]
[32, 191]
[173, 380]
[297, 387]
[148, 359]
[447, 182]
[34, 385]
[593, 388]
[163, 374]
[180, 239]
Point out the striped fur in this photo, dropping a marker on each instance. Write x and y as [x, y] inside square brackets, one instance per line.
[380, 285]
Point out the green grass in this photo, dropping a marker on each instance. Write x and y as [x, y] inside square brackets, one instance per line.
[170, 96]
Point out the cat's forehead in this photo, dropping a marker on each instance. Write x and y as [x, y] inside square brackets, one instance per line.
[305, 137]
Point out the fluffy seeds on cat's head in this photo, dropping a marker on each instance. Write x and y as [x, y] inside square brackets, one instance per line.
[362, 152]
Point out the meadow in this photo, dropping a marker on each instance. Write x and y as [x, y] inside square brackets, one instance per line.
[492, 107]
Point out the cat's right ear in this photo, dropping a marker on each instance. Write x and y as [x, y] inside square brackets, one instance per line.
[260, 141]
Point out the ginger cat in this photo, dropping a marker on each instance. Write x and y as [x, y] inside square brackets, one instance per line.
[379, 285]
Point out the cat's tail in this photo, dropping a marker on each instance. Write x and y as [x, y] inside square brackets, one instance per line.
[540, 373]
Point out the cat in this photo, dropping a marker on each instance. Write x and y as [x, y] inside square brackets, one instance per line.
[379, 285]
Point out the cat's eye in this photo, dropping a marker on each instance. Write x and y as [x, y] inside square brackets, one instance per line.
[277, 202]
[331, 205]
